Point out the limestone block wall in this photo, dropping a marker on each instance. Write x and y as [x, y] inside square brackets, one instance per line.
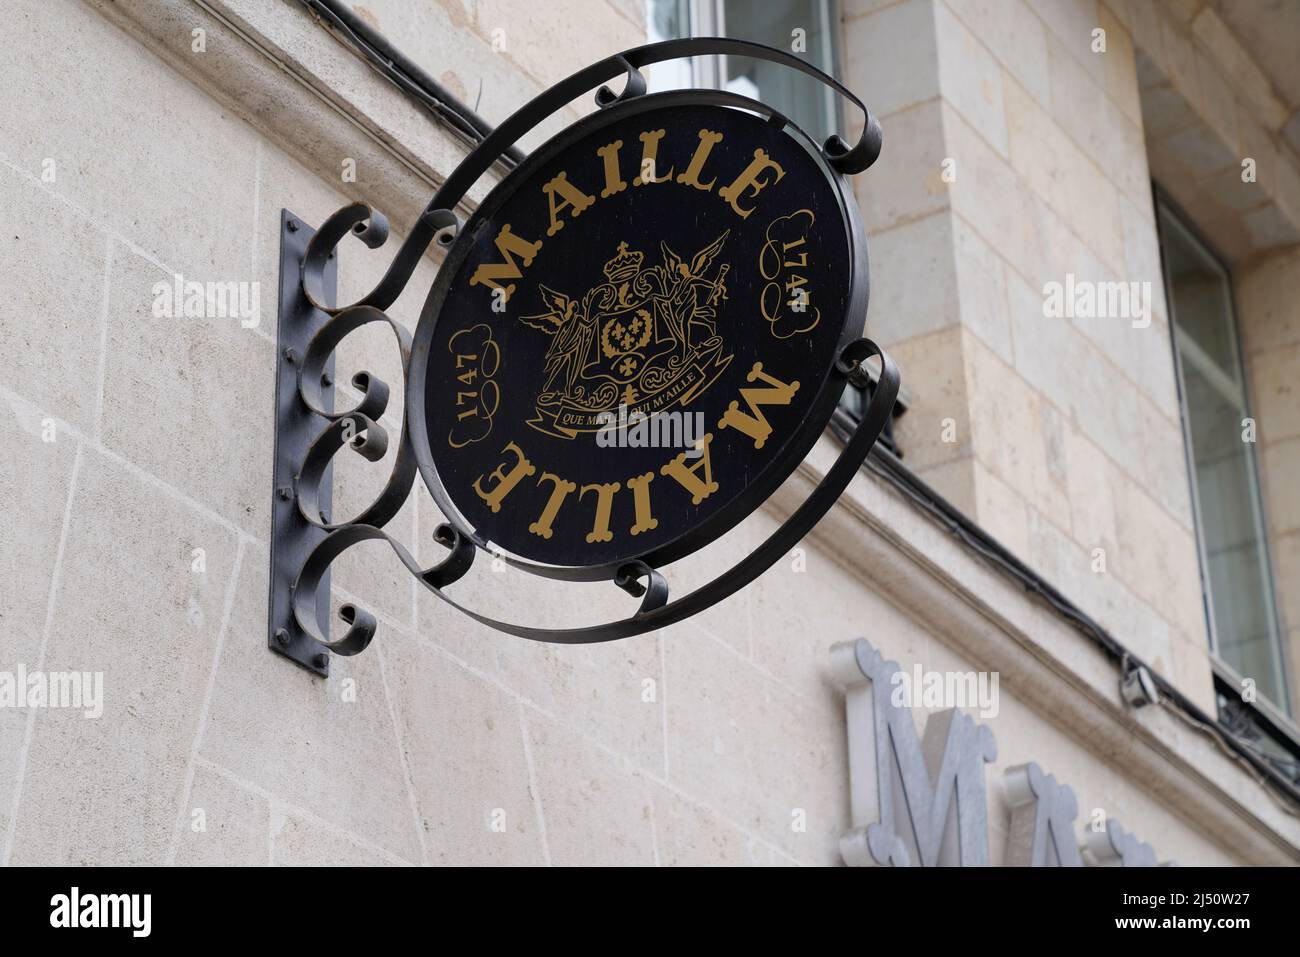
[1211, 108]
[1016, 159]
[1268, 301]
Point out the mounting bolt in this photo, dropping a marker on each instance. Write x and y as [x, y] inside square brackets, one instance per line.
[321, 660]
[284, 492]
[326, 379]
[290, 355]
[282, 637]
[291, 225]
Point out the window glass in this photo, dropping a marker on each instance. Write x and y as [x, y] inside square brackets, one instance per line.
[803, 27]
[1242, 614]
[668, 20]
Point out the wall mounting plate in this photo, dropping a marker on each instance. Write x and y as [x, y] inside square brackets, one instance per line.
[292, 537]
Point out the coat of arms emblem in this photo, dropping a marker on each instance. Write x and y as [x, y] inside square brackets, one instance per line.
[645, 339]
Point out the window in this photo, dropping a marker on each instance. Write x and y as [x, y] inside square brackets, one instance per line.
[803, 27]
[1240, 607]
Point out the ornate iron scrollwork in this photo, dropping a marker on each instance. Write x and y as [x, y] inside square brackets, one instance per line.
[310, 432]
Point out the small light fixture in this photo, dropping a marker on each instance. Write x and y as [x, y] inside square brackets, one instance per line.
[1137, 686]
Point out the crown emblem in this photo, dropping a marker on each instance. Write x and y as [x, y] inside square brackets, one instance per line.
[623, 266]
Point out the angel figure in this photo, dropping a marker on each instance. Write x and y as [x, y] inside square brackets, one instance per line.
[572, 330]
[692, 297]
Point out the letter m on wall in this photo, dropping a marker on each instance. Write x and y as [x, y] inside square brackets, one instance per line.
[915, 802]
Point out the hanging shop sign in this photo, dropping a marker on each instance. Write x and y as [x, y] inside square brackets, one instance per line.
[921, 800]
[635, 342]
[631, 343]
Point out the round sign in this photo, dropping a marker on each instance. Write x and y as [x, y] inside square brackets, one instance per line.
[632, 342]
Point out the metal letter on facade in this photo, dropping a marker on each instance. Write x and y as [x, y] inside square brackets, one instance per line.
[920, 802]
[1112, 846]
[1042, 819]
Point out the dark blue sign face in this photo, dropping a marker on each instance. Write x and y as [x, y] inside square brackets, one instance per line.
[629, 346]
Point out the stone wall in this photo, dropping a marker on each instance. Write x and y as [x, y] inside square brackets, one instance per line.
[1016, 159]
[1268, 299]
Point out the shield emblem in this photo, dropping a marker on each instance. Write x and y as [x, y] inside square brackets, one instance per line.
[632, 339]
[644, 340]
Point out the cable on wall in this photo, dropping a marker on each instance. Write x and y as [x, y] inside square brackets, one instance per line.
[887, 467]
[470, 128]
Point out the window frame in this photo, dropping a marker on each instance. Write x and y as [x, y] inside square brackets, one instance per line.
[1277, 711]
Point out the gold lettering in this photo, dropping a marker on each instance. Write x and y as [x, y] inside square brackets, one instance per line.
[687, 476]
[509, 245]
[614, 182]
[748, 181]
[708, 139]
[507, 481]
[803, 256]
[649, 158]
[604, 503]
[754, 423]
[640, 486]
[573, 197]
[559, 491]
